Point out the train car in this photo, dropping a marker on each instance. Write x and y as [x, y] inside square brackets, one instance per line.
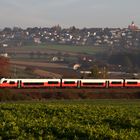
[93, 83]
[71, 83]
[115, 83]
[39, 83]
[29, 83]
[132, 83]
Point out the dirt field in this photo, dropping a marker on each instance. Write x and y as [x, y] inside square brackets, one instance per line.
[41, 69]
[38, 64]
[48, 74]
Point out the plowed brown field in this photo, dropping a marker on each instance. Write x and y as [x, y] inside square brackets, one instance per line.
[38, 64]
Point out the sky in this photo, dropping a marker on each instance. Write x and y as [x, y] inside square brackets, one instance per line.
[67, 13]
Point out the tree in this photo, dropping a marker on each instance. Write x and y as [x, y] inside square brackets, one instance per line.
[97, 72]
[94, 72]
[123, 59]
[4, 67]
[104, 73]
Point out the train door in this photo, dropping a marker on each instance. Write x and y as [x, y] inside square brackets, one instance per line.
[78, 83]
[107, 84]
[19, 83]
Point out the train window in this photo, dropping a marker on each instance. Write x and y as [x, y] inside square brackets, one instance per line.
[116, 82]
[5, 81]
[132, 83]
[12, 82]
[52, 82]
[94, 84]
[69, 82]
[33, 84]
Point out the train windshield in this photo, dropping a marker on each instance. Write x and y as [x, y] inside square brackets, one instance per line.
[3, 80]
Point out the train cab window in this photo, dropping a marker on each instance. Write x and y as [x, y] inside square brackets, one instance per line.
[5, 81]
[92, 84]
[12, 82]
[132, 83]
[116, 82]
[52, 82]
[69, 82]
[33, 84]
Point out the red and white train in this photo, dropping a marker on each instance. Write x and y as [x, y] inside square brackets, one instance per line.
[69, 83]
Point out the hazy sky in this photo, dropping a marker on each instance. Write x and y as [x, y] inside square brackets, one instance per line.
[66, 13]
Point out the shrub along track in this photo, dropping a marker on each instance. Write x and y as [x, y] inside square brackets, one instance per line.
[75, 93]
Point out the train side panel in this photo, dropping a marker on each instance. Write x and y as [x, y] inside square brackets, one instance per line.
[40, 83]
[53, 83]
[132, 83]
[93, 83]
[71, 83]
[115, 83]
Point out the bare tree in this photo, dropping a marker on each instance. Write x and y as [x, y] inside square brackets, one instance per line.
[4, 67]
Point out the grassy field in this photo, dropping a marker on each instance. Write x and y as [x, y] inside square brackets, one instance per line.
[58, 48]
[72, 49]
[77, 119]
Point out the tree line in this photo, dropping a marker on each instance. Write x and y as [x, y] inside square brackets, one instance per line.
[127, 59]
